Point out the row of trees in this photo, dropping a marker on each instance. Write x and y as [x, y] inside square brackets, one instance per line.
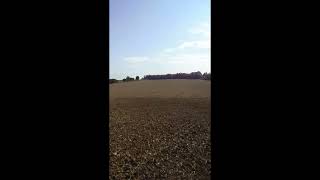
[193, 75]
[111, 81]
[130, 79]
[206, 76]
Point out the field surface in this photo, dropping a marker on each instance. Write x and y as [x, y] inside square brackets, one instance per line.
[160, 129]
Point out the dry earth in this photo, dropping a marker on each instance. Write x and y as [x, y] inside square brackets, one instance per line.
[160, 130]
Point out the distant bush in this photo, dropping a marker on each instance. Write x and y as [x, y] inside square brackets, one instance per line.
[128, 79]
[137, 78]
[206, 76]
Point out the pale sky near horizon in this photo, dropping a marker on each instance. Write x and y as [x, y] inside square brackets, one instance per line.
[159, 37]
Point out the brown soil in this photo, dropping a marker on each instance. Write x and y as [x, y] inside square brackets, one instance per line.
[160, 137]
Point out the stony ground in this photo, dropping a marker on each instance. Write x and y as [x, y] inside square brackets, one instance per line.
[164, 137]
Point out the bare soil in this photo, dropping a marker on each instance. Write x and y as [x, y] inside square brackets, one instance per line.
[160, 130]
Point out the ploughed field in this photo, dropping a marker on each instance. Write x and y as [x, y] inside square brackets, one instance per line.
[160, 129]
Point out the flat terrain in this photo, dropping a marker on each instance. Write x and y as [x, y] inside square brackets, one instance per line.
[160, 129]
[161, 88]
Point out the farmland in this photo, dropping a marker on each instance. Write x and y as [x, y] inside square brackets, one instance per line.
[160, 129]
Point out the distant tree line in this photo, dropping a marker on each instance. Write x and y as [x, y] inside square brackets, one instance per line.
[206, 76]
[127, 79]
[193, 75]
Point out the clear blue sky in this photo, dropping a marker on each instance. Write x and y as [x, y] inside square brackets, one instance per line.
[159, 37]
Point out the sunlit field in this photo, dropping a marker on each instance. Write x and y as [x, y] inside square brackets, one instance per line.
[160, 129]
